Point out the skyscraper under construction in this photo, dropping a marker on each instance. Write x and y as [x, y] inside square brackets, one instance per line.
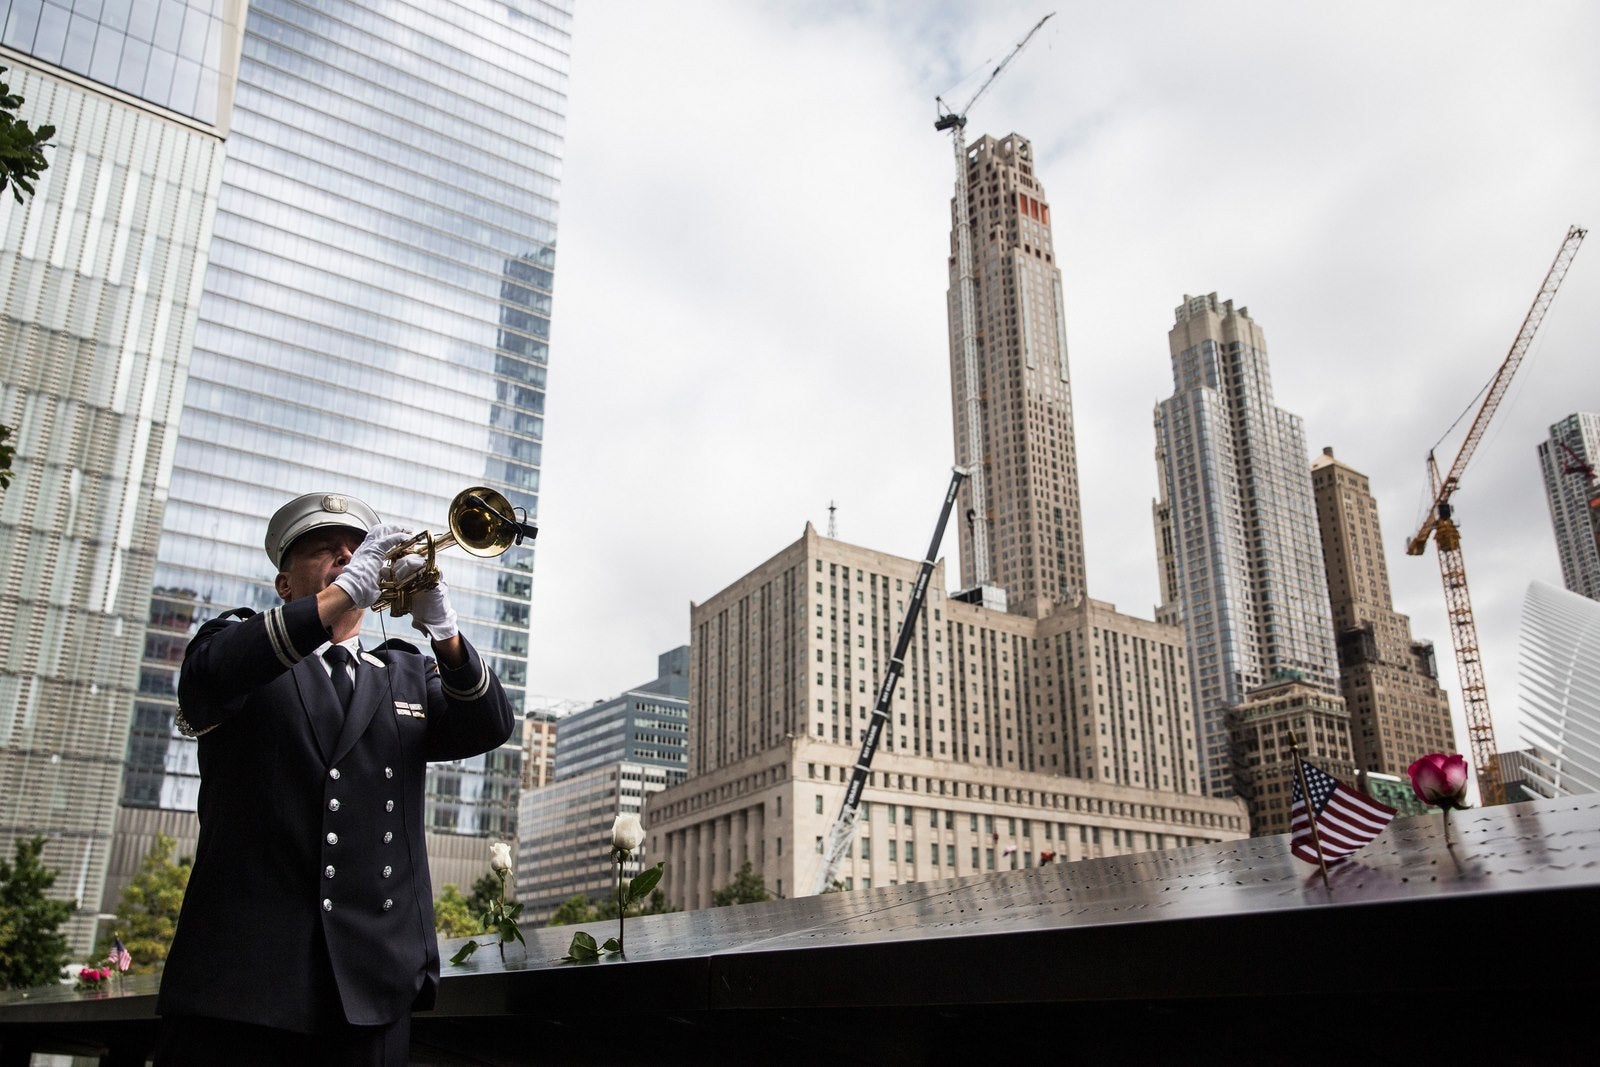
[1021, 427]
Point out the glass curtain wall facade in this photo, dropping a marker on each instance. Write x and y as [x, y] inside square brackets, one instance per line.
[1246, 553]
[375, 322]
[100, 284]
[1568, 459]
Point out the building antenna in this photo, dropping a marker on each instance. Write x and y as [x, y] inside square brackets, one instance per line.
[833, 526]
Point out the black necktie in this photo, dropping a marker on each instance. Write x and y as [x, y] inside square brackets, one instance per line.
[338, 658]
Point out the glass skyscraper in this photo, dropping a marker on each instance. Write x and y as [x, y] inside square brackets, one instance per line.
[1241, 557]
[375, 321]
[100, 282]
[1568, 459]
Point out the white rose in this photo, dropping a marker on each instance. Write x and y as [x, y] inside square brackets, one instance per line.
[627, 833]
[500, 856]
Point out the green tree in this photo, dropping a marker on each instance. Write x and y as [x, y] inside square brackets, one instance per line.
[6, 454]
[485, 891]
[658, 904]
[455, 915]
[745, 888]
[21, 162]
[575, 909]
[21, 146]
[32, 947]
[147, 913]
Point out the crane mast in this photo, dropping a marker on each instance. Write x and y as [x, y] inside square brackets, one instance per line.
[1440, 525]
[843, 831]
[966, 314]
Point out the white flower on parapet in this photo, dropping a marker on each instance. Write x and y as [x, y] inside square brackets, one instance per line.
[500, 856]
[627, 833]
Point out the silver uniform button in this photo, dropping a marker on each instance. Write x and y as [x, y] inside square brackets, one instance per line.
[333, 839]
[334, 774]
[333, 805]
[387, 871]
[388, 772]
[388, 805]
[327, 905]
[327, 872]
[387, 836]
[387, 904]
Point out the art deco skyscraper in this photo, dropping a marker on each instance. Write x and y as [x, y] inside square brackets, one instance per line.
[375, 322]
[99, 283]
[1569, 460]
[1024, 432]
[1245, 555]
[1389, 681]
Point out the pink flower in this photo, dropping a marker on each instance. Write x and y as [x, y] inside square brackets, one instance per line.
[1440, 781]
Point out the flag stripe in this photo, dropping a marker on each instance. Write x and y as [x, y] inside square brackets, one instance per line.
[1345, 820]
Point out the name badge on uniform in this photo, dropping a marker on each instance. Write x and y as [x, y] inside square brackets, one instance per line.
[404, 707]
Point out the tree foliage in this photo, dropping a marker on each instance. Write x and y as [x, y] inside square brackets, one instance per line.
[746, 888]
[21, 146]
[485, 891]
[576, 909]
[147, 913]
[454, 915]
[21, 162]
[32, 947]
[6, 454]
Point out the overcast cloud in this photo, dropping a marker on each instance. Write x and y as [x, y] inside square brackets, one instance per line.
[750, 289]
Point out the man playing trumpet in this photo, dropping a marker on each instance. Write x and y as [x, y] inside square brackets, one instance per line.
[306, 933]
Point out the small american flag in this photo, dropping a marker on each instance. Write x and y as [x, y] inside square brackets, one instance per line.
[119, 955]
[1346, 819]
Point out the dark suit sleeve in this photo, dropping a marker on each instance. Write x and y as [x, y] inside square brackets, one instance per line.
[229, 659]
[469, 711]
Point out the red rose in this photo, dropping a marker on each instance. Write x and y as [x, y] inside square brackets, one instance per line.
[1440, 781]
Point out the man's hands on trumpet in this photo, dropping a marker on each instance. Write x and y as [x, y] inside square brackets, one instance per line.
[431, 612]
[359, 579]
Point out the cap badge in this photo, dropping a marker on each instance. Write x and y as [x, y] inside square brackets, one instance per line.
[335, 504]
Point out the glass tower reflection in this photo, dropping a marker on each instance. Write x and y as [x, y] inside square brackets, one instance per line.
[375, 321]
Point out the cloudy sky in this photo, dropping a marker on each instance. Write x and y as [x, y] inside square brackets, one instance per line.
[750, 301]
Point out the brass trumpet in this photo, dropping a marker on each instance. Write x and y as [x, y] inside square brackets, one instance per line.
[482, 521]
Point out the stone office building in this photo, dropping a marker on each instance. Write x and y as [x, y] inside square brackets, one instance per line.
[1011, 740]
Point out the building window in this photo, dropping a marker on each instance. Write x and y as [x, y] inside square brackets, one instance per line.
[819, 803]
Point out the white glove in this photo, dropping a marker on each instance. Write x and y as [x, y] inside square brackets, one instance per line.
[431, 612]
[360, 576]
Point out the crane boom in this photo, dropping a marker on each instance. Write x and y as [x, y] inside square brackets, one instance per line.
[1440, 525]
[966, 312]
[1443, 488]
[843, 831]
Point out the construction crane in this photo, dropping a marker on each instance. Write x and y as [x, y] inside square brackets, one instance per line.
[1440, 525]
[966, 301]
[843, 831]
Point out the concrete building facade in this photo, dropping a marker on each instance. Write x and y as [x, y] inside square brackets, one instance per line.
[100, 286]
[1246, 562]
[1263, 766]
[1390, 683]
[994, 714]
[1030, 464]
[609, 758]
[1568, 459]
[538, 748]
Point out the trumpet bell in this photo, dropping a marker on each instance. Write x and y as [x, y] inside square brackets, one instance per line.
[478, 521]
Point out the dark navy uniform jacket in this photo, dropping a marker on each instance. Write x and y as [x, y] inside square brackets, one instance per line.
[310, 902]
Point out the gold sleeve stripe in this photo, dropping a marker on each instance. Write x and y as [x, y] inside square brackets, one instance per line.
[475, 693]
[279, 635]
